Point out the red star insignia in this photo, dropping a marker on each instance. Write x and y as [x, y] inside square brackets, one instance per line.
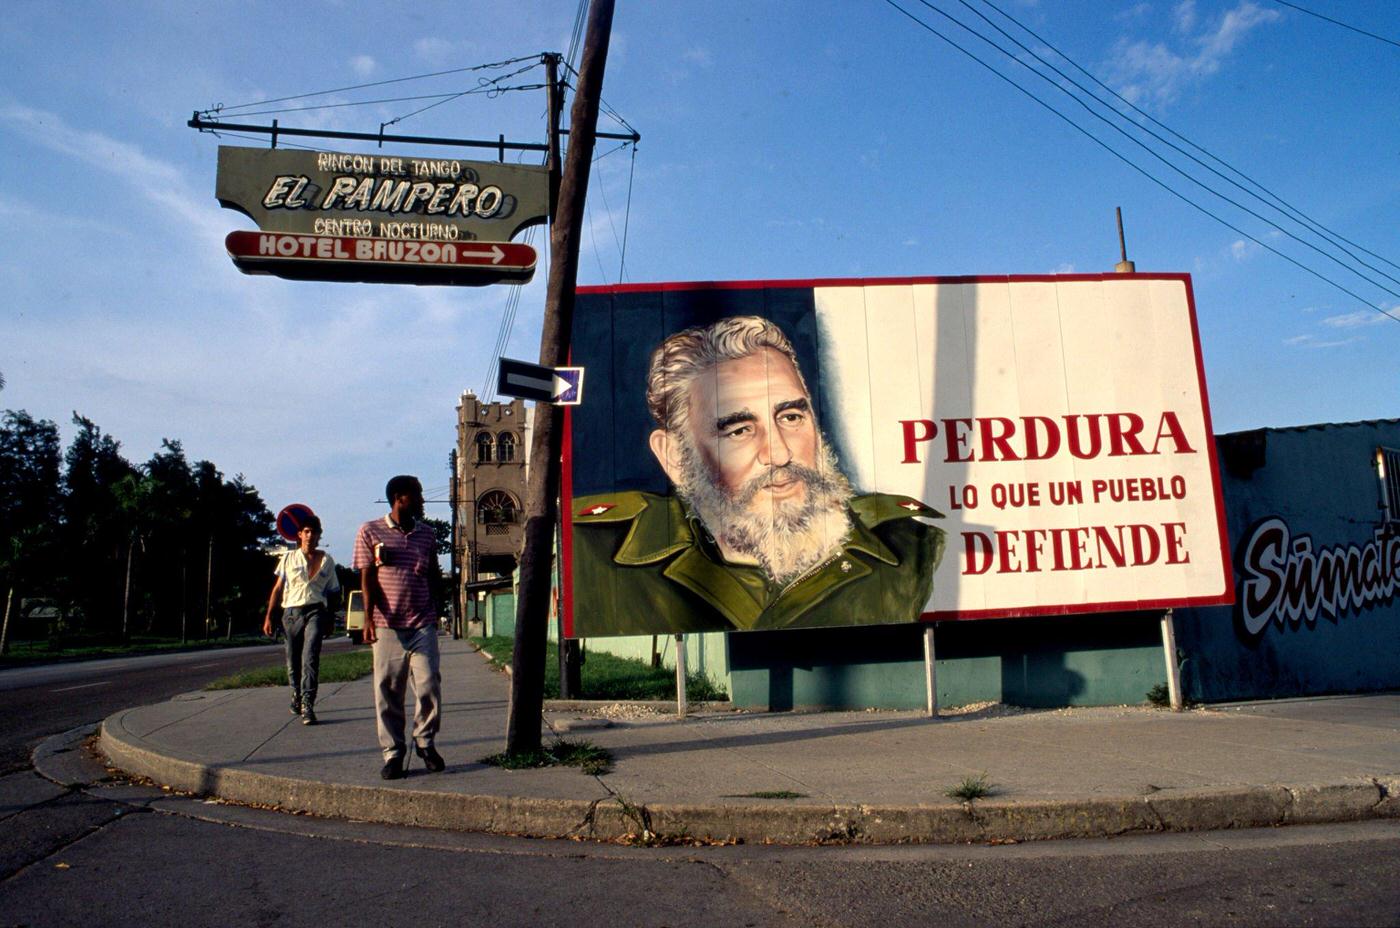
[597, 510]
[911, 505]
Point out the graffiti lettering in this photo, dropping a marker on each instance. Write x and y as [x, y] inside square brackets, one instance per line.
[1285, 580]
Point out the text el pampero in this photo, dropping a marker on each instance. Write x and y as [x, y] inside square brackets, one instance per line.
[1049, 537]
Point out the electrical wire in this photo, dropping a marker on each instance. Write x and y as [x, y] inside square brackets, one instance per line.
[1268, 196]
[1338, 22]
[221, 108]
[1138, 142]
[1096, 140]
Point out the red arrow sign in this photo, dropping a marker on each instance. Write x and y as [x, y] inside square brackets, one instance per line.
[331, 257]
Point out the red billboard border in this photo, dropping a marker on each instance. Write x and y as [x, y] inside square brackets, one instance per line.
[566, 486]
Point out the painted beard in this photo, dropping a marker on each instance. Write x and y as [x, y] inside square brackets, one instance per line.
[788, 538]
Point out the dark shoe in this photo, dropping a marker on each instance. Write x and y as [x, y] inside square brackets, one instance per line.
[296, 705]
[393, 769]
[308, 716]
[431, 758]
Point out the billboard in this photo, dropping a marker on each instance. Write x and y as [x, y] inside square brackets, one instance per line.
[761, 455]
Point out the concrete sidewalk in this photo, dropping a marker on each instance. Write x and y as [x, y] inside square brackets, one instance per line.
[862, 776]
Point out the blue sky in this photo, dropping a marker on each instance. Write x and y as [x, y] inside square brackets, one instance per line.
[779, 140]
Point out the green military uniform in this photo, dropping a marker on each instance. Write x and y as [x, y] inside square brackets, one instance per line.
[644, 565]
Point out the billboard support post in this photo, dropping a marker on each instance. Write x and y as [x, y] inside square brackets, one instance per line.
[930, 672]
[682, 704]
[1173, 669]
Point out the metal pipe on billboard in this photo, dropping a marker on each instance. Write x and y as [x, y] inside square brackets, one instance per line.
[682, 698]
[930, 672]
[1173, 668]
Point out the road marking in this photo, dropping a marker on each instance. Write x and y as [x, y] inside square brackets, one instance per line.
[82, 687]
[202, 666]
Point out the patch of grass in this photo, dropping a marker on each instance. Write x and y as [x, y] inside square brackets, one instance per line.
[589, 758]
[767, 794]
[1160, 696]
[335, 668]
[607, 676]
[85, 648]
[971, 787]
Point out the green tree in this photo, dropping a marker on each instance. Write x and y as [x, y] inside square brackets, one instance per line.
[29, 508]
[94, 536]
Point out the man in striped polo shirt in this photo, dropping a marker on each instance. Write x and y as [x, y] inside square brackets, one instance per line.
[394, 556]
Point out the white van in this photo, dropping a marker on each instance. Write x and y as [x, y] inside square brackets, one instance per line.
[355, 616]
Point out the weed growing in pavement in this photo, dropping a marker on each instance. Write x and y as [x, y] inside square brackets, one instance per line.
[1159, 695]
[971, 788]
[589, 758]
[607, 676]
[767, 794]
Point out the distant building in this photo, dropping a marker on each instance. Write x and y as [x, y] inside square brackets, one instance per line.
[493, 441]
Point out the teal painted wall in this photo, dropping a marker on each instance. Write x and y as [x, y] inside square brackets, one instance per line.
[500, 614]
[1069, 661]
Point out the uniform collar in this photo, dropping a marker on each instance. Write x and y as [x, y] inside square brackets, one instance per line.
[665, 526]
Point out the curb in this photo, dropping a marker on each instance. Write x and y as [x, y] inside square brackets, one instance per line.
[770, 823]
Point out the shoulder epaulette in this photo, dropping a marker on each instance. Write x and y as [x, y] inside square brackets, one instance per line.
[622, 506]
[875, 508]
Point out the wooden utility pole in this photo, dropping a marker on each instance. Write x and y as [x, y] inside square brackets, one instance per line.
[542, 491]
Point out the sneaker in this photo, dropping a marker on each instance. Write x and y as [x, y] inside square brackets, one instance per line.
[308, 716]
[296, 705]
[431, 758]
[393, 769]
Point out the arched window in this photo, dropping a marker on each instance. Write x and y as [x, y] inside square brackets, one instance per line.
[505, 447]
[497, 510]
[483, 447]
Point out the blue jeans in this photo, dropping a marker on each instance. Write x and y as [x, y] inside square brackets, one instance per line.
[303, 627]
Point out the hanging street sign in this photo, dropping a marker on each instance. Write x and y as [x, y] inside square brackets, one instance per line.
[562, 386]
[380, 260]
[381, 196]
[376, 218]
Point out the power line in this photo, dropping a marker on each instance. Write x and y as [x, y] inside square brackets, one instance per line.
[1147, 149]
[1338, 22]
[1269, 196]
[1121, 157]
[396, 80]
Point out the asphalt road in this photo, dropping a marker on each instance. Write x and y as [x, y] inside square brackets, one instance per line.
[41, 700]
[109, 852]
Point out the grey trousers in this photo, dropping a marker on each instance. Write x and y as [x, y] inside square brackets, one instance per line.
[401, 654]
[303, 627]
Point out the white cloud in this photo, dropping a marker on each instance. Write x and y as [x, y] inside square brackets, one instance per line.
[1066, 267]
[1184, 16]
[364, 65]
[433, 50]
[1136, 11]
[698, 55]
[1362, 317]
[1242, 250]
[1148, 72]
[1312, 341]
[158, 181]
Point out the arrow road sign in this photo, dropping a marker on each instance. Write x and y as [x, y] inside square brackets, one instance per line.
[380, 260]
[562, 386]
